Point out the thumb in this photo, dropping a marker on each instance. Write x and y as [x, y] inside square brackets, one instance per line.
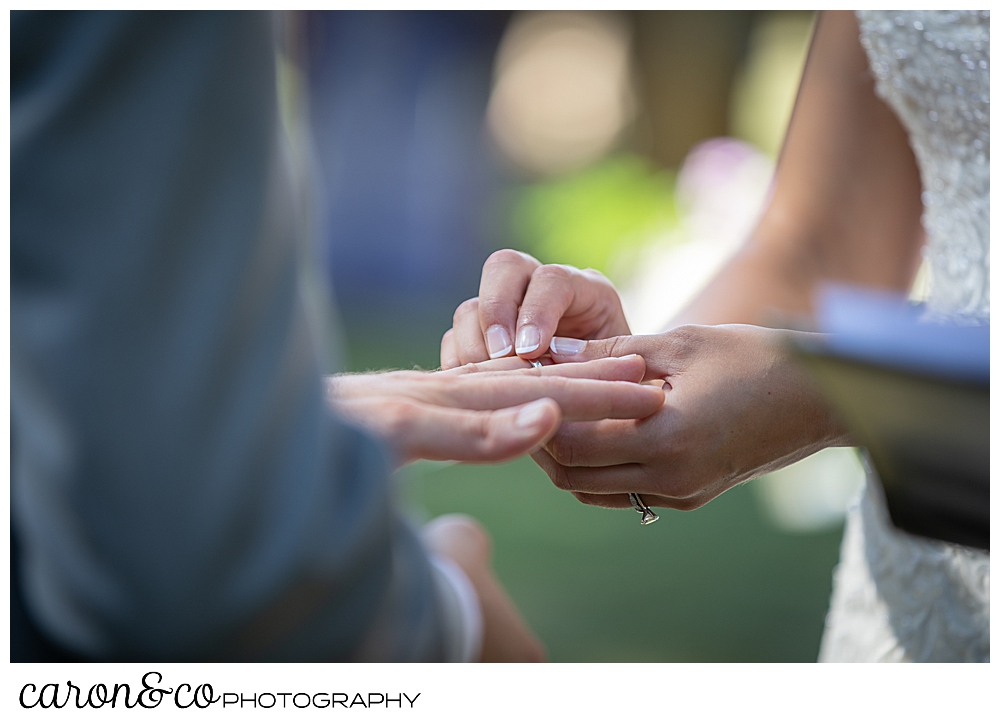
[651, 347]
[480, 436]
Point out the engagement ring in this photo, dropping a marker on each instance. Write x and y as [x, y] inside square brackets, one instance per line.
[648, 516]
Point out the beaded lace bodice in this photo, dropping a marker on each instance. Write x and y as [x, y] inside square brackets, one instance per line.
[898, 597]
[933, 69]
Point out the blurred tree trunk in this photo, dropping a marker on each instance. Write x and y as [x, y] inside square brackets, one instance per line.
[685, 63]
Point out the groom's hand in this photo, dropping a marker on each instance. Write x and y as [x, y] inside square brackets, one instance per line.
[489, 412]
[522, 304]
[506, 636]
[736, 407]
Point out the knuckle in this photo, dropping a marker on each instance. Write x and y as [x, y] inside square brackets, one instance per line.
[480, 429]
[399, 417]
[507, 257]
[552, 274]
[603, 283]
[561, 450]
[559, 476]
[686, 339]
[618, 346]
[469, 306]
[492, 309]
[596, 276]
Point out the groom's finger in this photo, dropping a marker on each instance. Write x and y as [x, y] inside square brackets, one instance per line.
[443, 388]
[415, 430]
[480, 436]
[579, 399]
[583, 398]
[623, 369]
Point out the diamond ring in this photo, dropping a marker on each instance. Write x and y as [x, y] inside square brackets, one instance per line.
[648, 516]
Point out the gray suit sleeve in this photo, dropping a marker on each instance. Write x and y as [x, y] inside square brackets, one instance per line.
[180, 490]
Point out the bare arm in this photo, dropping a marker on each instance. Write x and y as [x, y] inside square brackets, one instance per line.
[846, 204]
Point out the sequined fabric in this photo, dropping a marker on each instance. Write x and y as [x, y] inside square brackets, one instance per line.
[898, 597]
[933, 69]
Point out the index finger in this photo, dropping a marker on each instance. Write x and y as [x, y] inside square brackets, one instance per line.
[566, 300]
[505, 278]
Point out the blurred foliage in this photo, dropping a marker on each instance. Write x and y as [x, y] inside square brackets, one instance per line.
[589, 218]
[765, 88]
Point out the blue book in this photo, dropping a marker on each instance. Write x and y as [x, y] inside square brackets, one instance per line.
[915, 391]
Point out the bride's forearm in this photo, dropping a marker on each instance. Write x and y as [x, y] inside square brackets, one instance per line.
[757, 286]
[846, 202]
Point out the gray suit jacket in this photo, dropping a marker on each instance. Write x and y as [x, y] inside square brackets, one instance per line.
[179, 489]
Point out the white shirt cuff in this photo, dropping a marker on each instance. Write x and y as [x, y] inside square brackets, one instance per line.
[462, 614]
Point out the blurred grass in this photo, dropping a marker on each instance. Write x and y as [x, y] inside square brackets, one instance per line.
[589, 218]
[716, 584]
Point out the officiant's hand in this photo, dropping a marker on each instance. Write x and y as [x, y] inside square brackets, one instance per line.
[737, 406]
[489, 412]
[523, 303]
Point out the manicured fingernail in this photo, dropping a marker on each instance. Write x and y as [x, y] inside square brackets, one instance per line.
[497, 341]
[527, 339]
[564, 346]
[531, 414]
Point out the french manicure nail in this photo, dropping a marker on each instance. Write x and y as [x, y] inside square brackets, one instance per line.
[565, 346]
[530, 414]
[497, 341]
[527, 339]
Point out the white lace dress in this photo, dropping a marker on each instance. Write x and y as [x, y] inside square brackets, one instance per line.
[898, 597]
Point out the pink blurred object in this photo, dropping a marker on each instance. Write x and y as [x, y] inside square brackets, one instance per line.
[723, 186]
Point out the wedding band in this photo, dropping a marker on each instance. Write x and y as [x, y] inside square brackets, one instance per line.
[535, 363]
[648, 516]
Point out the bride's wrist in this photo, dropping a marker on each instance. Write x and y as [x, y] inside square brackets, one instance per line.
[827, 430]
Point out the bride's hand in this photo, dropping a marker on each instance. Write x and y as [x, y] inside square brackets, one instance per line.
[522, 304]
[736, 407]
[489, 412]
